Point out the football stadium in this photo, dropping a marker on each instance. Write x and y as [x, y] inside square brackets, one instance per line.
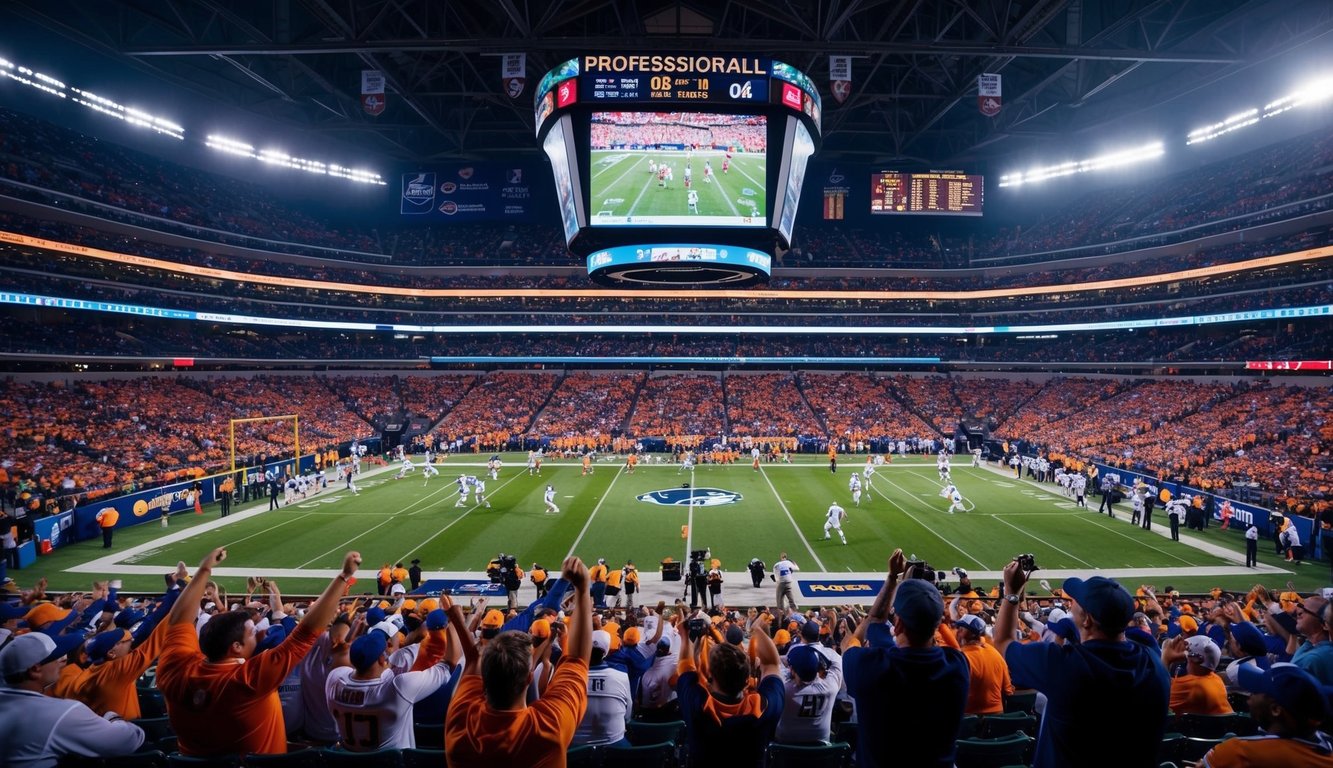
[398, 384]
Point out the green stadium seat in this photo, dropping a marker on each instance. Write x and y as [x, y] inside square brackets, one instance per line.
[423, 758]
[154, 728]
[992, 753]
[995, 726]
[969, 727]
[379, 758]
[177, 760]
[301, 758]
[640, 734]
[586, 756]
[791, 756]
[661, 755]
[1171, 747]
[1021, 701]
[1216, 726]
[1194, 749]
[151, 703]
[846, 733]
[429, 735]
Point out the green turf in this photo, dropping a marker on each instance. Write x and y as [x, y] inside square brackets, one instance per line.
[622, 185]
[782, 508]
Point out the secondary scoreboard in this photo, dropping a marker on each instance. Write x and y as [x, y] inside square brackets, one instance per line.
[944, 193]
[701, 155]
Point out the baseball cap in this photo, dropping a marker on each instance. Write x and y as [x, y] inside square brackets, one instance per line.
[736, 635]
[129, 617]
[493, 619]
[44, 613]
[1064, 628]
[1188, 624]
[1203, 651]
[804, 662]
[1104, 600]
[375, 616]
[1055, 615]
[409, 605]
[1294, 689]
[437, 619]
[367, 649]
[781, 637]
[1249, 638]
[540, 629]
[103, 642]
[631, 636]
[27, 651]
[918, 604]
[810, 631]
[972, 623]
[602, 639]
[429, 604]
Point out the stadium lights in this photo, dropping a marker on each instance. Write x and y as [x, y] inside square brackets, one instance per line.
[1098, 163]
[1233, 123]
[105, 106]
[1311, 92]
[280, 158]
[41, 82]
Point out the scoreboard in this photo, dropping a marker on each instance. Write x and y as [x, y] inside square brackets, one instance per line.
[937, 193]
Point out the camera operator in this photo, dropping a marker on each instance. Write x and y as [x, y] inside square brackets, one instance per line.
[1131, 684]
[512, 578]
[757, 569]
[698, 583]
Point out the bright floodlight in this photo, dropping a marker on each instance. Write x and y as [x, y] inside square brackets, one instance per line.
[279, 157]
[1098, 163]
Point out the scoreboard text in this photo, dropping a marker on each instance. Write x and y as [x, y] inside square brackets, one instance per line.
[954, 194]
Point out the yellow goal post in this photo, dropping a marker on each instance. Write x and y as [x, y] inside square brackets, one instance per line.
[296, 434]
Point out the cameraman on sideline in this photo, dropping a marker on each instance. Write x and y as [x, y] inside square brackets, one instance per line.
[1126, 679]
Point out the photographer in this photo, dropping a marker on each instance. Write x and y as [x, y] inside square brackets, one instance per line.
[757, 569]
[1131, 685]
[910, 694]
[698, 578]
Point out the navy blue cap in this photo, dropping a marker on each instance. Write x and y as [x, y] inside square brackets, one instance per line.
[1294, 689]
[1248, 638]
[374, 616]
[437, 619]
[804, 661]
[367, 649]
[918, 604]
[103, 642]
[735, 635]
[129, 617]
[810, 631]
[1108, 603]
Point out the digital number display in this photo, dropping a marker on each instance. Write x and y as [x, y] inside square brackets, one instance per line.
[948, 194]
[695, 88]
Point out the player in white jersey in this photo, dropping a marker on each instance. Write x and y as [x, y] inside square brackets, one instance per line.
[479, 488]
[955, 498]
[373, 706]
[854, 485]
[686, 463]
[1062, 480]
[532, 463]
[1079, 484]
[942, 466]
[349, 471]
[833, 520]
[976, 457]
[493, 466]
[464, 489]
[692, 201]
[549, 498]
[407, 466]
[708, 172]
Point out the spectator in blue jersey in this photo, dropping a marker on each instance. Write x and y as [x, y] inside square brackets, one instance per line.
[725, 724]
[910, 691]
[1103, 685]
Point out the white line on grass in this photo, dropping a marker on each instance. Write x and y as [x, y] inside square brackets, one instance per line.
[600, 502]
[938, 535]
[387, 520]
[785, 511]
[270, 528]
[689, 522]
[1085, 518]
[451, 523]
[1043, 541]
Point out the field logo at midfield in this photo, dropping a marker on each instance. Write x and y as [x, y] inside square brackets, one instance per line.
[684, 497]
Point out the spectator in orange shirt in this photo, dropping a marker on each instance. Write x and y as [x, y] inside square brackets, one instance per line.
[489, 721]
[214, 677]
[1288, 704]
[1200, 691]
[988, 682]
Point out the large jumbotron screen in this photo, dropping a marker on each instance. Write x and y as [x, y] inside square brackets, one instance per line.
[677, 169]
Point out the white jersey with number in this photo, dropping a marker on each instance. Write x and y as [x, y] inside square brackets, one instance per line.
[807, 713]
[377, 714]
[609, 706]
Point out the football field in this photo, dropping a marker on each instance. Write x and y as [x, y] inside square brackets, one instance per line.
[624, 185]
[737, 512]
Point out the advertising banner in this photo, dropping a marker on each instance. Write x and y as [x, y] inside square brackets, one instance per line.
[478, 191]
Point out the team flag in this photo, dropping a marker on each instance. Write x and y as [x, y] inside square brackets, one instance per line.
[514, 70]
[372, 91]
[988, 95]
[840, 77]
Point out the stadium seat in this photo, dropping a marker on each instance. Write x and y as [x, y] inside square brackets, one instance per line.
[1171, 747]
[969, 727]
[661, 755]
[790, 756]
[151, 703]
[301, 758]
[1194, 749]
[423, 758]
[429, 735]
[154, 728]
[992, 753]
[1021, 701]
[1239, 701]
[379, 758]
[582, 757]
[846, 733]
[168, 744]
[995, 726]
[640, 734]
[177, 760]
[1216, 726]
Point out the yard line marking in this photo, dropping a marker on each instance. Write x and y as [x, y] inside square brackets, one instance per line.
[1043, 541]
[787, 512]
[455, 520]
[1131, 538]
[933, 532]
[602, 501]
[389, 519]
[270, 528]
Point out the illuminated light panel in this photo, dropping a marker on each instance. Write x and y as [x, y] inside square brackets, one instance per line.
[1233, 123]
[1308, 93]
[280, 158]
[1100, 162]
[21, 74]
[130, 115]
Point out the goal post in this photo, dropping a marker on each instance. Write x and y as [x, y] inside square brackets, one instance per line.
[296, 434]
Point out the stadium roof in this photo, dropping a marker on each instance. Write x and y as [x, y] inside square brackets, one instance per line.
[1070, 67]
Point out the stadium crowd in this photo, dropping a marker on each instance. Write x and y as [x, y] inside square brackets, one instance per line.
[962, 676]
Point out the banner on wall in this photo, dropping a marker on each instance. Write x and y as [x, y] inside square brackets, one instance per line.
[372, 91]
[480, 191]
[989, 100]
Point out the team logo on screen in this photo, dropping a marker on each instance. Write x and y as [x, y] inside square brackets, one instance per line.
[449, 208]
[686, 497]
[418, 192]
[448, 188]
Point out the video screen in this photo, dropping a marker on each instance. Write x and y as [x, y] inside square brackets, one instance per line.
[555, 148]
[802, 148]
[652, 169]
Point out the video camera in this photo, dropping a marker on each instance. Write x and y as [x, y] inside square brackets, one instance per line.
[697, 559]
[501, 566]
[697, 628]
[920, 569]
[1027, 562]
